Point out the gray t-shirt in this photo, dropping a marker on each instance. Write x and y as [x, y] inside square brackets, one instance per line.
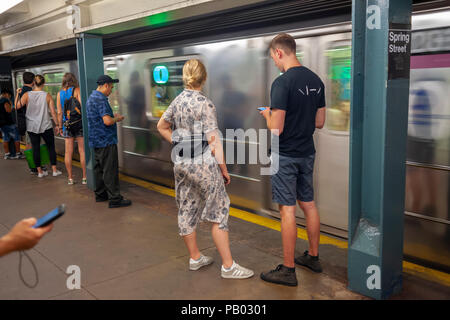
[38, 118]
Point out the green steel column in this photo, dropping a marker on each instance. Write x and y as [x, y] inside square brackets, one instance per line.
[379, 113]
[90, 67]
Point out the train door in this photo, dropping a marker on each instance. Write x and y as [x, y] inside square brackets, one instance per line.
[111, 70]
[332, 141]
[18, 83]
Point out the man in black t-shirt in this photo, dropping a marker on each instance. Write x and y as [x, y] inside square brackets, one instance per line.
[7, 126]
[296, 110]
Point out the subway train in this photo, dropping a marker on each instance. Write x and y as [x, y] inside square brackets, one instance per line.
[240, 73]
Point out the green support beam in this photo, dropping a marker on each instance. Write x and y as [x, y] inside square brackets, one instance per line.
[90, 67]
[379, 113]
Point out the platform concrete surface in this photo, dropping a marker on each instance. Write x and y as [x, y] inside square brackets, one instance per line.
[136, 252]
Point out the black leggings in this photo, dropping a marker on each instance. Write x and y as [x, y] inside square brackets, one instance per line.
[49, 139]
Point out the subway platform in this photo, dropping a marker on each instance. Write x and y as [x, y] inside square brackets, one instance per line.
[136, 252]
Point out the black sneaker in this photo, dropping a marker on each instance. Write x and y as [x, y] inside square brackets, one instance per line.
[281, 275]
[121, 203]
[311, 262]
[20, 155]
[101, 198]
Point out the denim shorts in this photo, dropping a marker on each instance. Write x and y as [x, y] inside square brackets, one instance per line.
[10, 132]
[293, 180]
[68, 134]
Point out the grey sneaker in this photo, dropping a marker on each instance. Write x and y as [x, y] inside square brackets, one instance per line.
[236, 272]
[310, 262]
[201, 262]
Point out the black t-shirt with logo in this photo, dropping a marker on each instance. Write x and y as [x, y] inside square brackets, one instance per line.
[299, 92]
[5, 116]
[24, 90]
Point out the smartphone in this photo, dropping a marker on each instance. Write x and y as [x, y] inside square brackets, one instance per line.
[50, 217]
[262, 108]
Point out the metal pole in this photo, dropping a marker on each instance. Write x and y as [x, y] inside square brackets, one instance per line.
[381, 43]
[90, 67]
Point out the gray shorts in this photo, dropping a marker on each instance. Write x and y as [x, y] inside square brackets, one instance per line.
[293, 180]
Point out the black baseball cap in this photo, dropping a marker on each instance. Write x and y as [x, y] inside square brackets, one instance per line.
[106, 79]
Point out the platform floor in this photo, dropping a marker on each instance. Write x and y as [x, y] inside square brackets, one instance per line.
[136, 252]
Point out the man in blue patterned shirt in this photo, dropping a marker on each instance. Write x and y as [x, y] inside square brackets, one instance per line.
[102, 132]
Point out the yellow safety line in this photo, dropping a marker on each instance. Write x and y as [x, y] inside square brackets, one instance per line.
[408, 267]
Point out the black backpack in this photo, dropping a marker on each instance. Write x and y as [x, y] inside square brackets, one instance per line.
[72, 110]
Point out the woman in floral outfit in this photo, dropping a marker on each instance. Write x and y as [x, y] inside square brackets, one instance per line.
[200, 181]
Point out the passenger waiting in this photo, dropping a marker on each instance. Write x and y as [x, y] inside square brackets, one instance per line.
[70, 89]
[200, 187]
[28, 84]
[102, 131]
[297, 108]
[39, 103]
[7, 126]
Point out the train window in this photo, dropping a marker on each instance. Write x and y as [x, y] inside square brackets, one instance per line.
[111, 70]
[53, 82]
[166, 82]
[19, 80]
[338, 88]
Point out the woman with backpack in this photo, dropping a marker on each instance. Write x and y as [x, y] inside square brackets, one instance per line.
[39, 124]
[68, 105]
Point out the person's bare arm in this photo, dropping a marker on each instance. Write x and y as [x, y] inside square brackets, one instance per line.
[8, 107]
[17, 99]
[23, 101]
[217, 150]
[165, 129]
[320, 117]
[274, 119]
[59, 112]
[22, 236]
[51, 106]
[109, 121]
[77, 94]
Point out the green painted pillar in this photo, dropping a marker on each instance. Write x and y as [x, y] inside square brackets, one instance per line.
[90, 67]
[379, 113]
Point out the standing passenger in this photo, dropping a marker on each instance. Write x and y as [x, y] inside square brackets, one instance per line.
[7, 126]
[28, 83]
[70, 88]
[200, 187]
[39, 103]
[297, 108]
[102, 130]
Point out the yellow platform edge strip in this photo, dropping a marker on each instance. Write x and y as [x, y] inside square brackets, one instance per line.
[408, 267]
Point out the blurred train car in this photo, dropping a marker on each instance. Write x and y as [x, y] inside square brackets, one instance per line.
[239, 77]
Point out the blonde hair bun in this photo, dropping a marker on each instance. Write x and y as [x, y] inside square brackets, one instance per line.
[194, 73]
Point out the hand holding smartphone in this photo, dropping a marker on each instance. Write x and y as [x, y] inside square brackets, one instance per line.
[261, 108]
[50, 217]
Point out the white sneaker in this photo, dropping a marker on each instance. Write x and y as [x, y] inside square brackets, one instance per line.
[56, 173]
[43, 174]
[70, 181]
[201, 262]
[236, 272]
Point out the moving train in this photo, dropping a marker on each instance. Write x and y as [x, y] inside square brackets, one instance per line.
[240, 74]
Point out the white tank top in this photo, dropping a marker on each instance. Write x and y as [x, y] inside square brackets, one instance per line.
[38, 118]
